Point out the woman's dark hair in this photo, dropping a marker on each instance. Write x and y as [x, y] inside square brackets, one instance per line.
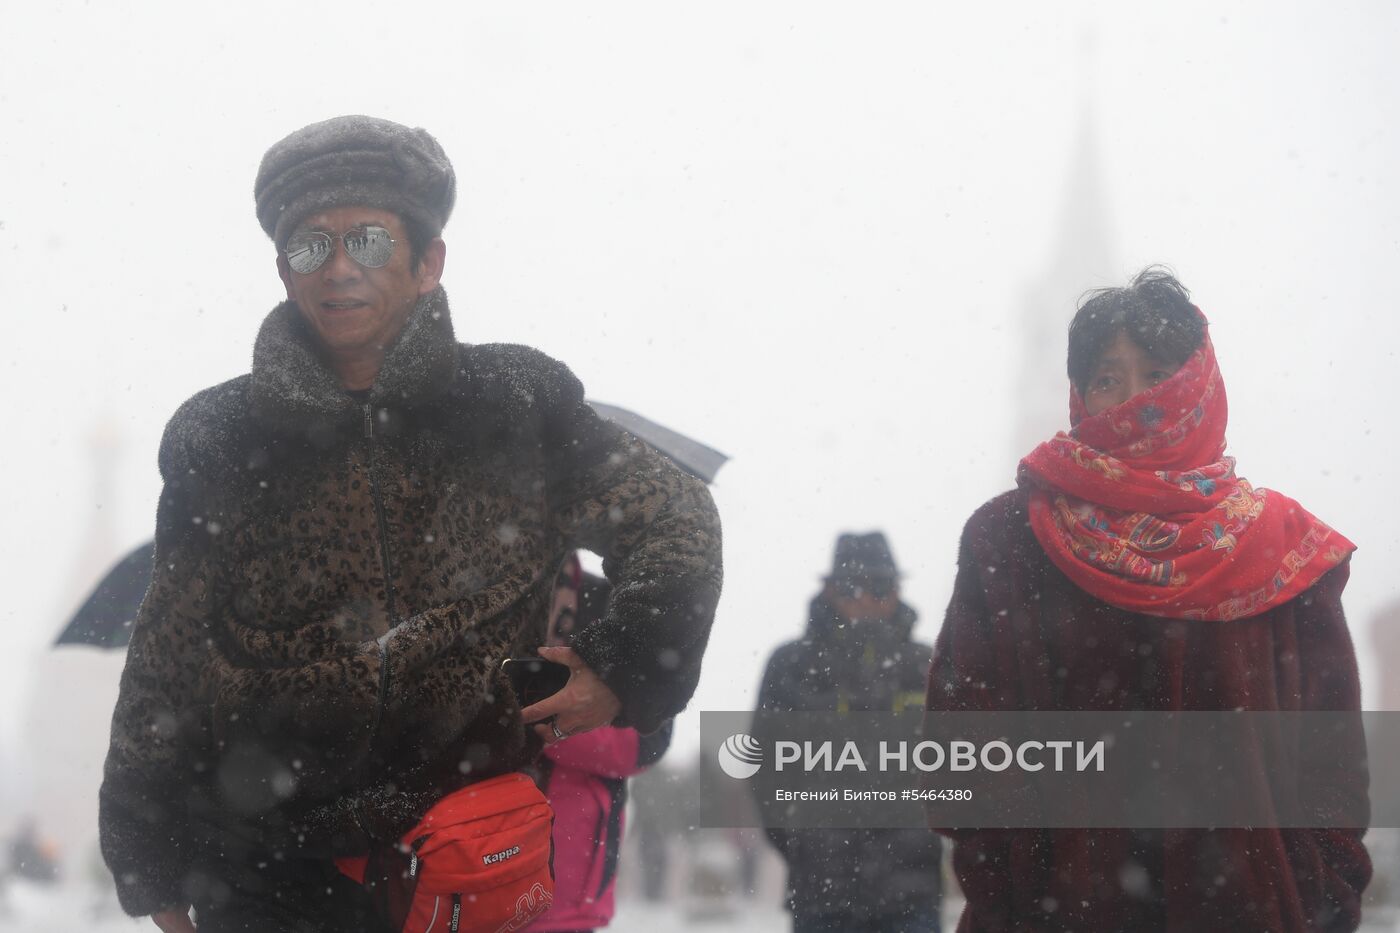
[1154, 310]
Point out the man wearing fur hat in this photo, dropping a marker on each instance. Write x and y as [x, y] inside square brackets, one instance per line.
[349, 541]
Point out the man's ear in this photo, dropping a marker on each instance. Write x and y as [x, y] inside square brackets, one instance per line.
[284, 271]
[430, 264]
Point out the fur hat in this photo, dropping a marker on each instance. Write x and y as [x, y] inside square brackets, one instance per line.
[354, 160]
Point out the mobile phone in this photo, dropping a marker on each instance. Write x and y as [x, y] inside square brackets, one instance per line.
[533, 679]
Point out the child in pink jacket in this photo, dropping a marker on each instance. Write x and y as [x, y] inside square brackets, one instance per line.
[585, 777]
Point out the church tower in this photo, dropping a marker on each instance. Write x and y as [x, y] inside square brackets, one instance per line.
[1082, 256]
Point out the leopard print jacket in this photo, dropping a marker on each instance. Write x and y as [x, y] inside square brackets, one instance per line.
[337, 580]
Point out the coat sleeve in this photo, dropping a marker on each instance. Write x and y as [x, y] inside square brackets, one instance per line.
[969, 670]
[775, 691]
[969, 673]
[775, 696]
[1331, 866]
[659, 534]
[653, 745]
[159, 722]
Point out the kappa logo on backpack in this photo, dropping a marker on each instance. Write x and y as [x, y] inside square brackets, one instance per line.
[480, 861]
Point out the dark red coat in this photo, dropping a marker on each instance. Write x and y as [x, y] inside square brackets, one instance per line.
[1020, 636]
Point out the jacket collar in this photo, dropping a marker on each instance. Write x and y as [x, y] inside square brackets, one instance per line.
[292, 387]
[825, 624]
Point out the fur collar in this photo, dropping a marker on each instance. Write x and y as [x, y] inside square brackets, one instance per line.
[292, 387]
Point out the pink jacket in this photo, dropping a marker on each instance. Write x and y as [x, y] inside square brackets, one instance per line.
[585, 779]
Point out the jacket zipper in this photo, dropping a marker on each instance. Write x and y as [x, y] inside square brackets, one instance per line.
[383, 522]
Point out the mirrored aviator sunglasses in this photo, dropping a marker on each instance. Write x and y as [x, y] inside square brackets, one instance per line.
[371, 247]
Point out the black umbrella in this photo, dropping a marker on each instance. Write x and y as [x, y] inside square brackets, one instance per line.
[106, 616]
[697, 459]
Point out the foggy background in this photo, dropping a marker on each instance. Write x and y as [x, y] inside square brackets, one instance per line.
[839, 242]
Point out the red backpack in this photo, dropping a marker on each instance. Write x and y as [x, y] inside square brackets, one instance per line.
[480, 861]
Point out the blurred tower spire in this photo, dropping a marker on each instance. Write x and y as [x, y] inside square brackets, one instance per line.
[1082, 256]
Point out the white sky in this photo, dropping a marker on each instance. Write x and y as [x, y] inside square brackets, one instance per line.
[800, 232]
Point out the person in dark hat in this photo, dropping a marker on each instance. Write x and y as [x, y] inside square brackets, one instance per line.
[857, 654]
[350, 540]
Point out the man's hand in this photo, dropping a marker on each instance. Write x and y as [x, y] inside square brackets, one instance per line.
[174, 920]
[584, 703]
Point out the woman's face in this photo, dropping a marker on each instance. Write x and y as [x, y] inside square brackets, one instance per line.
[1124, 370]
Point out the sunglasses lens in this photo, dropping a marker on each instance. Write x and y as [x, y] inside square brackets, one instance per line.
[306, 252]
[371, 247]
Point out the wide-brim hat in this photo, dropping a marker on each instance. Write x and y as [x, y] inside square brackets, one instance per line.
[863, 557]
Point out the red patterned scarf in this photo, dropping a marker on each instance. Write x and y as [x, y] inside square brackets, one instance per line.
[1139, 506]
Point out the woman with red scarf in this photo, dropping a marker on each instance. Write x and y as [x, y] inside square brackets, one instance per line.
[1133, 569]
